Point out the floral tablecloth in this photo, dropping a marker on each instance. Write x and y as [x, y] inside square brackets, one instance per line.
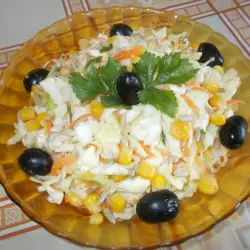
[20, 20]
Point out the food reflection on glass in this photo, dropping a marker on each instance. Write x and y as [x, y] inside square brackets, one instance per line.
[130, 124]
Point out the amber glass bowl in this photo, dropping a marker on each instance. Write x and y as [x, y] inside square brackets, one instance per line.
[197, 214]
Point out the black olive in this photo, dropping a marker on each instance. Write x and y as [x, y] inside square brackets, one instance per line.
[157, 207]
[234, 132]
[209, 51]
[128, 85]
[121, 30]
[35, 161]
[34, 77]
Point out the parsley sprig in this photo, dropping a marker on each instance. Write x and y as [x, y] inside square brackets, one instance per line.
[98, 82]
[152, 70]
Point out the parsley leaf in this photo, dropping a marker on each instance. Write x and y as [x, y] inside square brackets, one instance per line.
[146, 68]
[87, 87]
[93, 61]
[110, 72]
[107, 48]
[98, 82]
[174, 70]
[165, 101]
[111, 100]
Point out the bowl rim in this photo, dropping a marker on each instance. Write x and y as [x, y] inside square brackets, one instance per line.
[11, 195]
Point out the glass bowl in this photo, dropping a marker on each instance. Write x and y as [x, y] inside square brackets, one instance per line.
[197, 214]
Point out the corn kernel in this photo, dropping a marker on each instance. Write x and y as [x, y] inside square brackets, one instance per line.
[158, 182]
[212, 87]
[117, 203]
[219, 69]
[90, 203]
[215, 101]
[96, 108]
[96, 219]
[217, 119]
[74, 199]
[118, 178]
[27, 114]
[125, 156]
[146, 171]
[32, 125]
[208, 185]
[135, 59]
[112, 39]
[180, 130]
[41, 117]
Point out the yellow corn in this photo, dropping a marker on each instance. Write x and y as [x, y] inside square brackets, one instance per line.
[158, 182]
[41, 117]
[208, 185]
[125, 156]
[217, 119]
[32, 125]
[117, 203]
[90, 203]
[27, 114]
[74, 199]
[215, 101]
[146, 171]
[219, 69]
[135, 59]
[96, 219]
[112, 39]
[118, 178]
[96, 108]
[211, 87]
[180, 130]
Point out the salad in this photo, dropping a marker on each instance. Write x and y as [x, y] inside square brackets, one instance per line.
[130, 124]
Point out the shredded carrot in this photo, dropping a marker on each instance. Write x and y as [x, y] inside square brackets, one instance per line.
[120, 146]
[200, 163]
[73, 123]
[91, 145]
[104, 161]
[47, 126]
[117, 116]
[77, 105]
[38, 91]
[60, 161]
[202, 89]
[55, 168]
[190, 103]
[174, 167]
[98, 191]
[124, 54]
[234, 101]
[191, 83]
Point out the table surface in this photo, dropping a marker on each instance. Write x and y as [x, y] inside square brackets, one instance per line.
[17, 24]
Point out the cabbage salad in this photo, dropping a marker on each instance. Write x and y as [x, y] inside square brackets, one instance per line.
[125, 116]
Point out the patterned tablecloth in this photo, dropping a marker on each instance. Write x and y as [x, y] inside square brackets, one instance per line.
[20, 20]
